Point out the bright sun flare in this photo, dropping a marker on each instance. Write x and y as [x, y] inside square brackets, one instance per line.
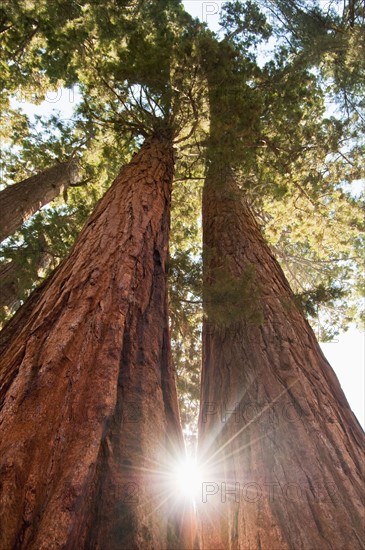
[188, 478]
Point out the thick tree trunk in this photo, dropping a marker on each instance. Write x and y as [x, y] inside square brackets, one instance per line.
[281, 447]
[88, 401]
[20, 201]
[280, 442]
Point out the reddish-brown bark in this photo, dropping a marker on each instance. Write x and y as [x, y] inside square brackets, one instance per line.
[291, 434]
[20, 201]
[274, 423]
[88, 401]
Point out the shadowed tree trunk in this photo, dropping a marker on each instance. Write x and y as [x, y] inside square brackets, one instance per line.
[283, 452]
[87, 393]
[20, 201]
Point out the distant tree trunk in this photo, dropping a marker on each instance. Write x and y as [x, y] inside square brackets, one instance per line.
[20, 201]
[87, 393]
[282, 450]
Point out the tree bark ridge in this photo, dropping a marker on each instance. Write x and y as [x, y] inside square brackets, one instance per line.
[87, 391]
[291, 441]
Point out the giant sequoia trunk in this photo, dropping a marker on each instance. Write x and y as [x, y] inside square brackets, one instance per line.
[20, 201]
[283, 452]
[88, 401]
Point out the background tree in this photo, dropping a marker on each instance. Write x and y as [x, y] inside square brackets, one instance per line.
[20, 201]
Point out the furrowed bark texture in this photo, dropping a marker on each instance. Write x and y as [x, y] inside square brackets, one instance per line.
[20, 201]
[290, 450]
[88, 400]
[282, 450]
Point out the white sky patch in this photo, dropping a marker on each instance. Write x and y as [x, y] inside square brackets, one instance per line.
[356, 187]
[63, 100]
[347, 357]
[206, 11]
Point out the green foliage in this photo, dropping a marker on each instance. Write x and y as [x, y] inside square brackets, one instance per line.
[245, 24]
[320, 249]
[39, 246]
[309, 300]
[329, 38]
[32, 145]
[230, 299]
